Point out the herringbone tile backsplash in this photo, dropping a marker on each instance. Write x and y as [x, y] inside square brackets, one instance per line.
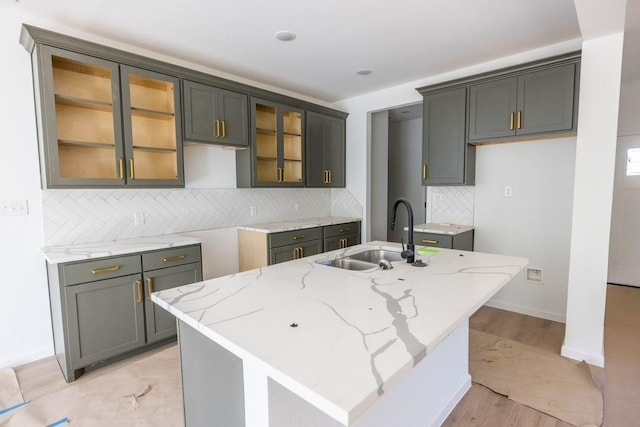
[452, 205]
[82, 216]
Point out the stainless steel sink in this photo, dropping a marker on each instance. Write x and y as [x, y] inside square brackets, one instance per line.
[376, 255]
[366, 260]
[350, 264]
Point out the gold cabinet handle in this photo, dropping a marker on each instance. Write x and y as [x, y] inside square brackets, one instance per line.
[224, 129]
[132, 172]
[430, 242]
[140, 290]
[298, 237]
[344, 230]
[326, 176]
[425, 172]
[330, 176]
[121, 169]
[280, 174]
[174, 259]
[149, 287]
[520, 117]
[106, 270]
[512, 121]
[217, 128]
[301, 252]
[296, 253]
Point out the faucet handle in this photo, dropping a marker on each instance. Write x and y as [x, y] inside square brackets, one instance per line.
[406, 253]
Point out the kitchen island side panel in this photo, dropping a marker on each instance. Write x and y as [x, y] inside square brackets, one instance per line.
[212, 381]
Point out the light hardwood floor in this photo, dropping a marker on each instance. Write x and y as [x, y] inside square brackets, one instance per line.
[481, 406]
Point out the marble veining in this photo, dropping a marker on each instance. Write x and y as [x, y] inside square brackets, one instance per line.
[356, 333]
[60, 254]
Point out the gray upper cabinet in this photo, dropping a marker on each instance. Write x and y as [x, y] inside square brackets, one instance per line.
[104, 124]
[215, 116]
[447, 159]
[532, 103]
[325, 144]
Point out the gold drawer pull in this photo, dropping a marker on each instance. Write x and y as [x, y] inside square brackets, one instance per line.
[425, 172]
[217, 128]
[106, 270]
[301, 252]
[121, 167]
[520, 119]
[298, 237]
[431, 242]
[174, 259]
[344, 230]
[140, 290]
[149, 286]
[132, 171]
[224, 129]
[511, 125]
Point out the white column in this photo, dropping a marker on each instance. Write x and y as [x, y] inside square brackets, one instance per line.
[593, 194]
[256, 394]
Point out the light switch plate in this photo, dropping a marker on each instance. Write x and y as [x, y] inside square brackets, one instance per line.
[508, 191]
[16, 207]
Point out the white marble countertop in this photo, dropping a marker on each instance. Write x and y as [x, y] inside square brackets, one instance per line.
[357, 332]
[60, 254]
[297, 224]
[451, 229]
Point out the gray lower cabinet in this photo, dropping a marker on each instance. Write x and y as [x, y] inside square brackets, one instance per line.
[462, 241]
[538, 102]
[258, 249]
[101, 308]
[215, 116]
[447, 159]
[341, 236]
[326, 151]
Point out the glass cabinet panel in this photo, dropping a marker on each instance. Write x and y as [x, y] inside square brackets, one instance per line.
[278, 143]
[152, 128]
[85, 117]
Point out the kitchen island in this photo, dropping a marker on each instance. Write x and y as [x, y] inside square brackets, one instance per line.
[303, 343]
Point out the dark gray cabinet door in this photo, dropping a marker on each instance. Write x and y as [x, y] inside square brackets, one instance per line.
[341, 242]
[290, 252]
[152, 128]
[79, 119]
[213, 115]
[104, 318]
[326, 151]
[492, 109]
[447, 158]
[160, 324]
[546, 100]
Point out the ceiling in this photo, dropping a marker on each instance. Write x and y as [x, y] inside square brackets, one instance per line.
[399, 41]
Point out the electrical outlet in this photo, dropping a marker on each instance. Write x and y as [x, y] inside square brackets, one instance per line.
[508, 191]
[534, 275]
[253, 211]
[17, 207]
[138, 218]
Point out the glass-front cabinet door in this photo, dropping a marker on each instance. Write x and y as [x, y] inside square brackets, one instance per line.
[152, 132]
[81, 120]
[278, 144]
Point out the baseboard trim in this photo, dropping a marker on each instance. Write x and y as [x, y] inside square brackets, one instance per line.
[26, 358]
[453, 402]
[592, 359]
[527, 310]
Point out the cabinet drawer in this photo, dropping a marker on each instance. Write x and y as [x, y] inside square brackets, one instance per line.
[433, 239]
[171, 257]
[294, 236]
[341, 242]
[341, 229]
[105, 268]
[291, 252]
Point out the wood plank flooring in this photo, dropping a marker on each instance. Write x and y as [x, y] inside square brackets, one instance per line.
[481, 406]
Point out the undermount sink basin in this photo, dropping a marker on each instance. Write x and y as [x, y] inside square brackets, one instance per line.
[366, 260]
[376, 255]
[350, 264]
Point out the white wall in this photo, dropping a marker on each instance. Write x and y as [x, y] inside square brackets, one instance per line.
[593, 193]
[25, 322]
[534, 223]
[624, 248]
